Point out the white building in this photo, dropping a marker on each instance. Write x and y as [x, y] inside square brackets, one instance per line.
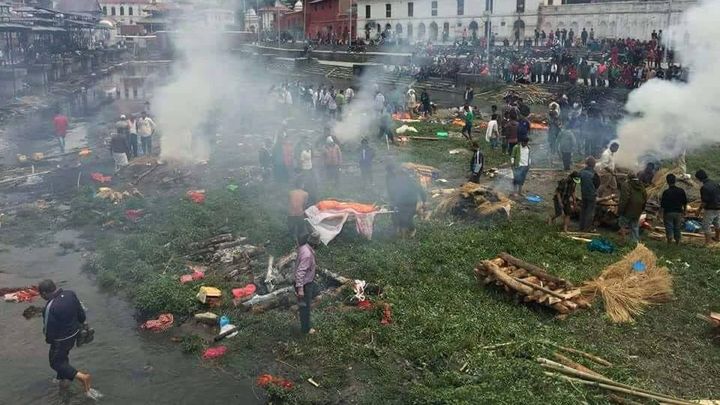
[446, 20]
[125, 12]
[218, 17]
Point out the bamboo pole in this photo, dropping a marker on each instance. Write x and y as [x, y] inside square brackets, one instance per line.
[577, 366]
[533, 269]
[623, 390]
[596, 359]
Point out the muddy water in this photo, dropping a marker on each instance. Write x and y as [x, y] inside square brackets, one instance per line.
[128, 366]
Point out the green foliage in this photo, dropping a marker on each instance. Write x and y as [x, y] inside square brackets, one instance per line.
[192, 344]
[159, 294]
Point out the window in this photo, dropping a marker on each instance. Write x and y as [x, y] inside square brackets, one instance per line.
[112, 10]
[130, 10]
[520, 6]
[122, 10]
[460, 7]
[388, 10]
[367, 11]
[433, 8]
[411, 9]
[409, 31]
[105, 10]
[489, 5]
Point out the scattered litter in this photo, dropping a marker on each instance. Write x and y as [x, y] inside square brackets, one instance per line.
[208, 294]
[226, 328]
[100, 178]
[534, 198]
[94, 394]
[25, 295]
[692, 225]
[459, 151]
[601, 245]
[196, 196]
[214, 352]
[244, 293]
[107, 193]
[207, 318]
[442, 134]
[84, 152]
[267, 380]
[405, 128]
[232, 187]
[33, 180]
[198, 273]
[163, 322]
[639, 266]
[32, 311]
[311, 381]
[364, 304]
[134, 215]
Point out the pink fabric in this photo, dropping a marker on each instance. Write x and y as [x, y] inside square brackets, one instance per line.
[164, 322]
[214, 352]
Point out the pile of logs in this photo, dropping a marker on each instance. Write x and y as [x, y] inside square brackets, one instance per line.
[531, 282]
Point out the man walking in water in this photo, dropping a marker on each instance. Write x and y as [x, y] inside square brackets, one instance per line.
[63, 319]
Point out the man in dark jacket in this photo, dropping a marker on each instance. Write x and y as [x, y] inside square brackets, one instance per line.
[673, 204]
[710, 198]
[63, 318]
[477, 163]
[589, 183]
[469, 95]
[633, 198]
[404, 192]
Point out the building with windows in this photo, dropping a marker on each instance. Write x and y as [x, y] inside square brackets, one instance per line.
[447, 20]
[125, 12]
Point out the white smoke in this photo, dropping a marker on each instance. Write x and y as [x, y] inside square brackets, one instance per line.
[669, 118]
[201, 82]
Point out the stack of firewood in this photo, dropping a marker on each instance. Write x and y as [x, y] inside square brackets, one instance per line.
[532, 283]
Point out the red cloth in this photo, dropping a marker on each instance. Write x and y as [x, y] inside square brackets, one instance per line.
[214, 352]
[134, 215]
[266, 380]
[387, 315]
[100, 178]
[244, 292]
[163, 322]
[364, 304]
[25, 295]
[196, 196]
[61, 125]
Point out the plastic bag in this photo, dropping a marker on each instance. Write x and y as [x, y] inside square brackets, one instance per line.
[196, 196]
[214, 352]
[601, 245]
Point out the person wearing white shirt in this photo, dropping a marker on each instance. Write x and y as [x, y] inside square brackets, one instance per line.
[349, 95]
[520, 161]
[379, 102]
[606, 166]
[146, 129]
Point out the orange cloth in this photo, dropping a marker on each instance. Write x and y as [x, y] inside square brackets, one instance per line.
[163, 322]
[537, 125]
[337, 205]
[297, 202]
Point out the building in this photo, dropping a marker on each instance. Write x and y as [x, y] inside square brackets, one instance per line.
[125, 12]
[446, 20]
[88, 7]
[330, 19]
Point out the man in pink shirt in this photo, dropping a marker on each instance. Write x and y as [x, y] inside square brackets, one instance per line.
[305, 278]
[60, 122]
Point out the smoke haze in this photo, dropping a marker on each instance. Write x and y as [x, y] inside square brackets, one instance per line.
[668, 118]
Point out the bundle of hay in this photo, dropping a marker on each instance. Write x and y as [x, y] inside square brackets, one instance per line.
[474, 199]
[627, 291]
[659, 184]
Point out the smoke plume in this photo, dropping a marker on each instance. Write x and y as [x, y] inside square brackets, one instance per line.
[669, 118]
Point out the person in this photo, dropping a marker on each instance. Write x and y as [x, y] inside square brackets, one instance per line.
[589, 183]
[379, 102]
[60, 122]
[297, 203]
[146, 129]
[333, 160]
[553, 128]
[710, 205]
[584, 36]
[306, 169]
[566, 145]
[404, 192]
[633, 198]
[367, 154]
[122, 127]
[564, 199]
[349, 95]
[673, 205]
[265, 159]
[520, 161]
[607, 163]
[340, 101]
[469, 116]
[425, 101]
[410, 101]
[510, 132]
[646, 176]
[305, 288]
[63, 320]
[119, 149]
[492, 134]
[523, 128]
[279, 158]
[477, 163]
[468, 96]
[133, 136]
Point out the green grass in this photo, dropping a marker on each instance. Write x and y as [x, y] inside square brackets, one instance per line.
[443, 318]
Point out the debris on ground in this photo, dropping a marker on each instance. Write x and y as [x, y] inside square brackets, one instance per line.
[266, 380]
[713, 319]
[405, 128]
[100, 178]
[107, 193]
[198, 273]
[214, 352]
[162, 323]
[626, 291]
[531, 283]
[21, 295]
[207, 318]
[209, 295]
[196, 196]
[472, 200]
[32, 311]
[424, 174]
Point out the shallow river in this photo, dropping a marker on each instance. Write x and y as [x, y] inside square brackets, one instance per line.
[128, 366]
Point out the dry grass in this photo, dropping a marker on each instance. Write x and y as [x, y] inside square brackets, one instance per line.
[627, 293]
[486, 200]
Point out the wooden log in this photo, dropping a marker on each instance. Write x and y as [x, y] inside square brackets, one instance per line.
[267, 298]
[225, 237]
[285, 260]
[506, 279]
[336, 277]
[143, 174]
[577, 366]
[541, 288]
[560, 308]
[226, 334]
[269, 276]
[229, 244]
[533, 269]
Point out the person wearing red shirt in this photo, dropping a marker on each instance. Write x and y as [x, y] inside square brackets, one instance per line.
[60, 122]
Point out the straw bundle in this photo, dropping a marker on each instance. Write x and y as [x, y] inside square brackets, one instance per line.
[659, 184]
[482, 200]
[627, 292]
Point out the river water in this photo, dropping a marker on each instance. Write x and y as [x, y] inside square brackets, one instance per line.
[128, 366]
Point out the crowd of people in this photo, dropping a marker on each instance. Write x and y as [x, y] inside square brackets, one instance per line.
[132, 138]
